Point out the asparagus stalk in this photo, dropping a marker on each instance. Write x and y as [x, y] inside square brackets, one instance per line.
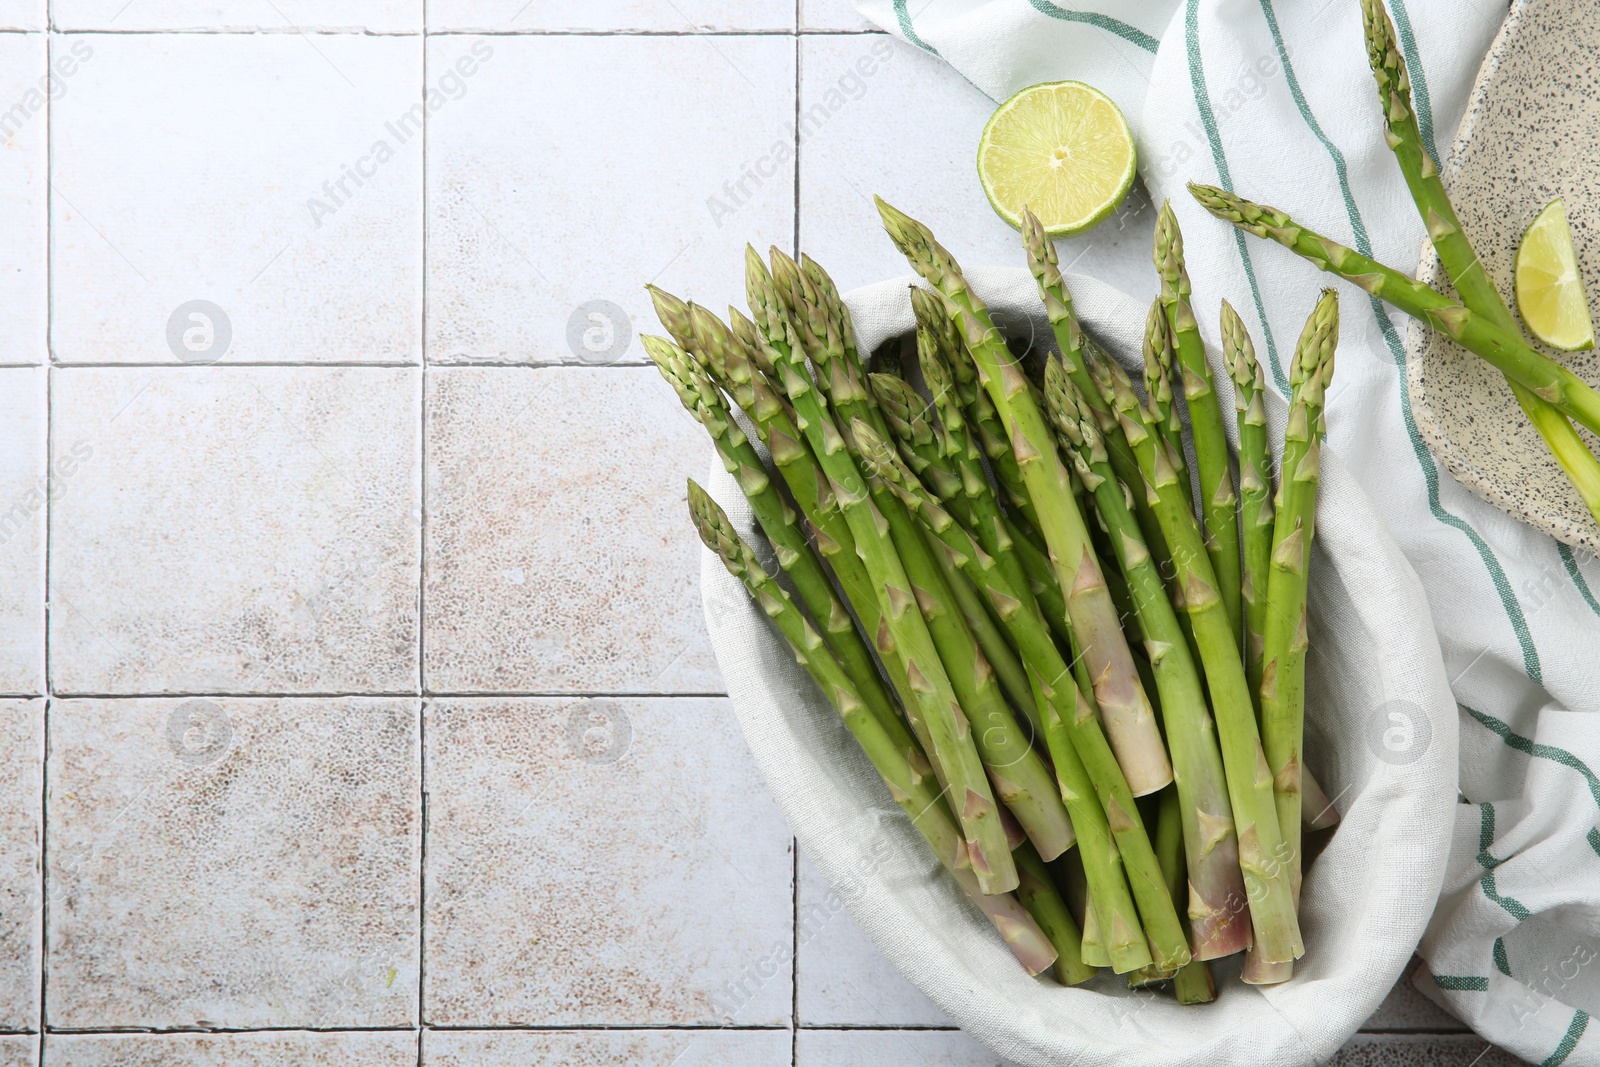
[1038, 894]
[1284, 646]
[1472, 283]
[1214, 876]
[910, 422]
[911, 788]
[1073, 343]
[1130, 720]
[1268, 887]
[1217, 497]
[1064, 703]
[1025, 563]
[1192, 982]
[1158, 376]
[935, 710]
[1255, 484]
[1512, 355]
[777, 520]
[988, 429]
[1093, 949]
[1284, 657]
[1316, 810]
[974, 653]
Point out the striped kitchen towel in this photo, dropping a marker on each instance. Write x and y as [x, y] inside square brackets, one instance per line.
[1275, 100]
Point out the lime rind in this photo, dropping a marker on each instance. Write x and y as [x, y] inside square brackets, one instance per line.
[1042, 135]
[1549, 285]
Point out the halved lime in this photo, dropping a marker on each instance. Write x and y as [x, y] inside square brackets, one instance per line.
[1061, 149]
[1549, 288]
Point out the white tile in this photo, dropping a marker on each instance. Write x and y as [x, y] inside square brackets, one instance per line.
[233, 863]
[286, 16]
[560, 556]
[602, 862]
[235, 1050]
[23, 15]
[235, 529]
[578, 169]
[270, 176]
[27, 87]
[878, 116]
[844, 979]
[21, 772]
[892, 1048]
[19, 1050]
[510, 16]
[832, 15]
[24, 491]
[599, 1048]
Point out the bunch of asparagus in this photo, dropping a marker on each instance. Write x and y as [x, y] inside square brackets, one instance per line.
[1042, 629]
[1552, 397]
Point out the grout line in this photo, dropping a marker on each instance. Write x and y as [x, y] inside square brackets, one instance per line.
[43, 917]
[378, 364]
[422, 568]
[306, 31]
[412, 695]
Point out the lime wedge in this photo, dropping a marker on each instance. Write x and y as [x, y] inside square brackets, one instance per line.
[1061, 149]
[1549, 287]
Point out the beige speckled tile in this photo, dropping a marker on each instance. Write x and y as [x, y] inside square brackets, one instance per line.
[235, 1050]
[19, 1050]
[1407, 1009]
[844, 979]
[21, 772]
[580, 168]
[235, 529]
[599, 1048]
[26, 86]
[892, 1048]
[560, 555]
[1421, 1050]
[878, 116]
[601, 862]
[203, 206]
[233, 863]
[682, 16]
[23, 494]
[375, 16]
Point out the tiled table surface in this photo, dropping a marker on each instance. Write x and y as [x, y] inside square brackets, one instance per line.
[372, 715]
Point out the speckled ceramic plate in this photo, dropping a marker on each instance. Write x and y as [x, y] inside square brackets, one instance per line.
[1528, 137]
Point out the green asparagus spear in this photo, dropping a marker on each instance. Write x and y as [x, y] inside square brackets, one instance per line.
[974, 652]
[936, 709]
[1038, 894]
[1063, 701]
[987, 428]
[1130, 719]
[1512, 355]
[1192, 983]
[1073, 343]
[1284, 656]
[1255, 483]
[1159, 374]
[1472, 283]
[777, 520]
[911, 787]
[1214, 877]
[1217, 498]
[1268, 886]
